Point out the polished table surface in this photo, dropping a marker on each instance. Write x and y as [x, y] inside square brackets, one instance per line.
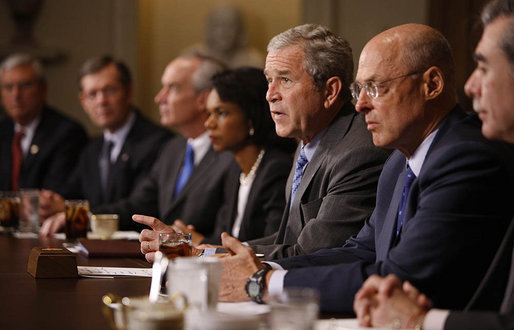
[29, 303]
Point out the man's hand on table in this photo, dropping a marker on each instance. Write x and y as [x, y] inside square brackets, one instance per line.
[53, 224]
[238, 265]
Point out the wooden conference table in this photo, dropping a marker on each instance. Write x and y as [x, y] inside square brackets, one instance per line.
[29, 303]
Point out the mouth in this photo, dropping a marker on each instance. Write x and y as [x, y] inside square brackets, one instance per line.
[371, 125]
[277, 114]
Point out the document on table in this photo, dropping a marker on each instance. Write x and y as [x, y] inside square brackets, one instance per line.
[106, 272]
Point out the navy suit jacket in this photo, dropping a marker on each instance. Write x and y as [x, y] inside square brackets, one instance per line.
[196, 204]
[53, 154]
[457, 211]
[266, 200]
[134, 162]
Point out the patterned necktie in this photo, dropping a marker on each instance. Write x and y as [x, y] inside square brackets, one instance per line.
[16, 159]
[409, 178]
[298, 173]
[187, 169]
[105, 164]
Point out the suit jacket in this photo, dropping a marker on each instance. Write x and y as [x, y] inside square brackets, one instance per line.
[134, 162]
[196, 204]
[457, 211]
[53, 153]
[469, 319]
[266, 200]
[336, 194]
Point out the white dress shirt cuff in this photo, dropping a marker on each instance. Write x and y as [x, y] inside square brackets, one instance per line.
[435, 319]
[276, 282]
[208, 252]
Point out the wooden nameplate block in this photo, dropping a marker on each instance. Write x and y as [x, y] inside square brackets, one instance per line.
[52, 263]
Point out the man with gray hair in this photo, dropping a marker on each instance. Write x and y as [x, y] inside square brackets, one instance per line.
[331, 190]
[39, 146]
[187, 179]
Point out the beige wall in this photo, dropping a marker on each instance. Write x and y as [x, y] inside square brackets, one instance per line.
[166, 27]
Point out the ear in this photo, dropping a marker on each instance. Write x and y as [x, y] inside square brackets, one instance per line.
[201, 100]
[433, 86]
[333, 88]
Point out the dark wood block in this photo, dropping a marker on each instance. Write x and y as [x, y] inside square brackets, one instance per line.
[52, 263]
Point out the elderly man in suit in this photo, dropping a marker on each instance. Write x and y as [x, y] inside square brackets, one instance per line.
[331, 189]
[39, 146]
[443, 199]
[114, 163]
[385, 301]
[187, 179]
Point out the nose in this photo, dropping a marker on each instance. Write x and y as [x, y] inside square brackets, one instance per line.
[210, 122]
[472, 86]
[363, 103]
[160, 97]
[272, 95]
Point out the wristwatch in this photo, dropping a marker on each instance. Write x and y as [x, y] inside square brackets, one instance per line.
[255, 286]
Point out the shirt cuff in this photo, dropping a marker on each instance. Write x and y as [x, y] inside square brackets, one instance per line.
[435, 319]
[276, 282]
[208, 252]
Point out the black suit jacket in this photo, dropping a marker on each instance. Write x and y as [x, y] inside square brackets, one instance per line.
[196, 204]
[266, 200]
[471, 319]
[457, 211]
[134, 162]
[53, 153]
[336, 194]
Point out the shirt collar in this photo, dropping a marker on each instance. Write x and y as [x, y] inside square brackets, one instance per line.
[120, 135]
[28, 133]
[201, 145]
[417, 159]
[310, 148]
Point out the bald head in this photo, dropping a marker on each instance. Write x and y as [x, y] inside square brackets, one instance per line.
[417, 47]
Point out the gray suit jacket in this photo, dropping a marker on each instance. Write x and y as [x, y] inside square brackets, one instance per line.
[196, 204]
[336, 194]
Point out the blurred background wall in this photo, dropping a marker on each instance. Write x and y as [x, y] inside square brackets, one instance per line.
[147, 34]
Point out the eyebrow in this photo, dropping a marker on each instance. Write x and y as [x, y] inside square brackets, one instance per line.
[477, 57]
[278, 72]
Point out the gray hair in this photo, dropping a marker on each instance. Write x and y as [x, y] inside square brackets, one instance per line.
[326, 54]
[202, 77]
[494, 10]
[20, 59]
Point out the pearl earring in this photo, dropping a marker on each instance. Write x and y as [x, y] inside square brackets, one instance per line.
[251, 132]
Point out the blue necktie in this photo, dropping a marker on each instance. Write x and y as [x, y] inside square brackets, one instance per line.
[298, 173]
[409, 178]
[187, 169]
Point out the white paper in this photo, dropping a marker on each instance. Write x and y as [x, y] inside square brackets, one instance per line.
[114, 271]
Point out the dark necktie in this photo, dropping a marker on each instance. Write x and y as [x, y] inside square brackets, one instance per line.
[409, 178]
[187, 169]
[16, 159]
[298, 173]
[105, 164]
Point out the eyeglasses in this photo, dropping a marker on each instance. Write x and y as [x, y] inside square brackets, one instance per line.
[371, 87]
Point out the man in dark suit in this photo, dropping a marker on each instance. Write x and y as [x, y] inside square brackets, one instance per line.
[39, 146]
[337, 190]
[114, 163]
[443, 199]
[384, 301]
[186, 83]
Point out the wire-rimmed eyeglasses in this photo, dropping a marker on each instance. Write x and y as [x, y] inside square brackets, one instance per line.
[371, 87]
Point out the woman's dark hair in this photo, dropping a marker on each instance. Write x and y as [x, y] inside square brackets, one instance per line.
[247, 88]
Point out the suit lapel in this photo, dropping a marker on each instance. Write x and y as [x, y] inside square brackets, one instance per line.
[388, 233]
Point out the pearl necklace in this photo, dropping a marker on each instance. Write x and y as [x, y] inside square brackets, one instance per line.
[245, 179]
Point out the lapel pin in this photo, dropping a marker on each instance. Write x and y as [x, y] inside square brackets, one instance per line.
[34, 149]
[124, 157]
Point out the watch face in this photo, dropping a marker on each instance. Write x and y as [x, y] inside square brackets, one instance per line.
[253, 289]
